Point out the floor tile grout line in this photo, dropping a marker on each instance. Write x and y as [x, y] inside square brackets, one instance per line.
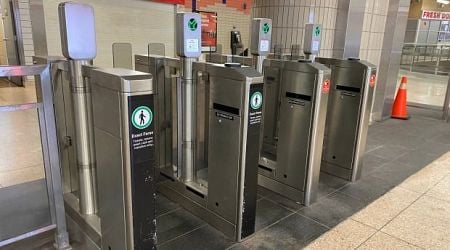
[409, 243]
[370, 237]
[380, 146]
[403, 210]
[318, 222]
[263, 229]
[283, 206]
[380, 230]
[168, 212]
[434, 185]
[32, 166]
[377, 230]
[181, 235]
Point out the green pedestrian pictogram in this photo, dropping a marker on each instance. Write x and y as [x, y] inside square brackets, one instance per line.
[193, 24]
[266, 28]
[142, 117]
[317, 31]
[256, 100]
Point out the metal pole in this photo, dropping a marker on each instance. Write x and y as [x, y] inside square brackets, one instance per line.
[258, 62]
[446, 115]
[189, 117]
[84, 133]
[61, 234]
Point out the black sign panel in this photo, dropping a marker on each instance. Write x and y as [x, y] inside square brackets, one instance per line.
[142, 154]
[252, 159]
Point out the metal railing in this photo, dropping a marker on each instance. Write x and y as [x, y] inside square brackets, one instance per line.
[50, 150]
[426, 58]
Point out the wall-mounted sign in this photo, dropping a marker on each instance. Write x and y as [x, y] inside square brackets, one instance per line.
[209, 31]
[435, 15]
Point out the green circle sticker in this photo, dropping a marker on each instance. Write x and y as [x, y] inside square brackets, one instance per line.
[266, 28]
[142, 117]
[317, 31]
[256, 100]
[192, 24]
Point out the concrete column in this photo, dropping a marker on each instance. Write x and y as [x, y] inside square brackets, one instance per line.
[390, 58]
[349, 27]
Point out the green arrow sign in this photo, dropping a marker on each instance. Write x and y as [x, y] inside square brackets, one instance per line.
[193, 24]
[317, 31]
[266, 28]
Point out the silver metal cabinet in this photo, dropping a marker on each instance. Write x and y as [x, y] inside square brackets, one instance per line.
[348, 116]
[299, 129]
[124, 112]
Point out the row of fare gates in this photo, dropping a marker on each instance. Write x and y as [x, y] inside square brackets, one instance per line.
[203, 134]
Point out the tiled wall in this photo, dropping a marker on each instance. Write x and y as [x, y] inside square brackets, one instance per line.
[135, 22]
[25, 27]
[289, 18]
[373, 30]
[27, 36]
[235, 13]
[3, 57]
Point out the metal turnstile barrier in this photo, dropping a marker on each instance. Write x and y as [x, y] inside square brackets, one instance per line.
[226, 149]
[124, 114]
[223, 192]
[348, 116]
[293, 138]
[51, 155]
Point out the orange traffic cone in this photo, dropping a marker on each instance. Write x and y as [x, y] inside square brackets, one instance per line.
[399, 109]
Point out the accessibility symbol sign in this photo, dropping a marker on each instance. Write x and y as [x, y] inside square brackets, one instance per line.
[193, 24]
[256, 100]
[142, 117]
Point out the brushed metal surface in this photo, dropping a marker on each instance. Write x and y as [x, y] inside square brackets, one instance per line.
[188, 114]
[224, 164]
[110, 158]
[110, 106]
[299, 138]
[84, 136]
[122, 55]
[77, 28]
[348, 117]
[221, 59]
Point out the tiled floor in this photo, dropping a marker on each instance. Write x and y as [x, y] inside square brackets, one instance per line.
[396, 149]
[20, 146]
[413, 215]
[425, 88]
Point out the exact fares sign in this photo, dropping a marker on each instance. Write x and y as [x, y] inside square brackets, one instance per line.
[435, 15]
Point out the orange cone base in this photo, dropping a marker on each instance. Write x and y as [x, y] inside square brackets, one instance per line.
[401, 117]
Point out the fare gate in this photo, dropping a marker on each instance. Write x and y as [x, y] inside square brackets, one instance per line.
[348, 116]
[294, 126]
